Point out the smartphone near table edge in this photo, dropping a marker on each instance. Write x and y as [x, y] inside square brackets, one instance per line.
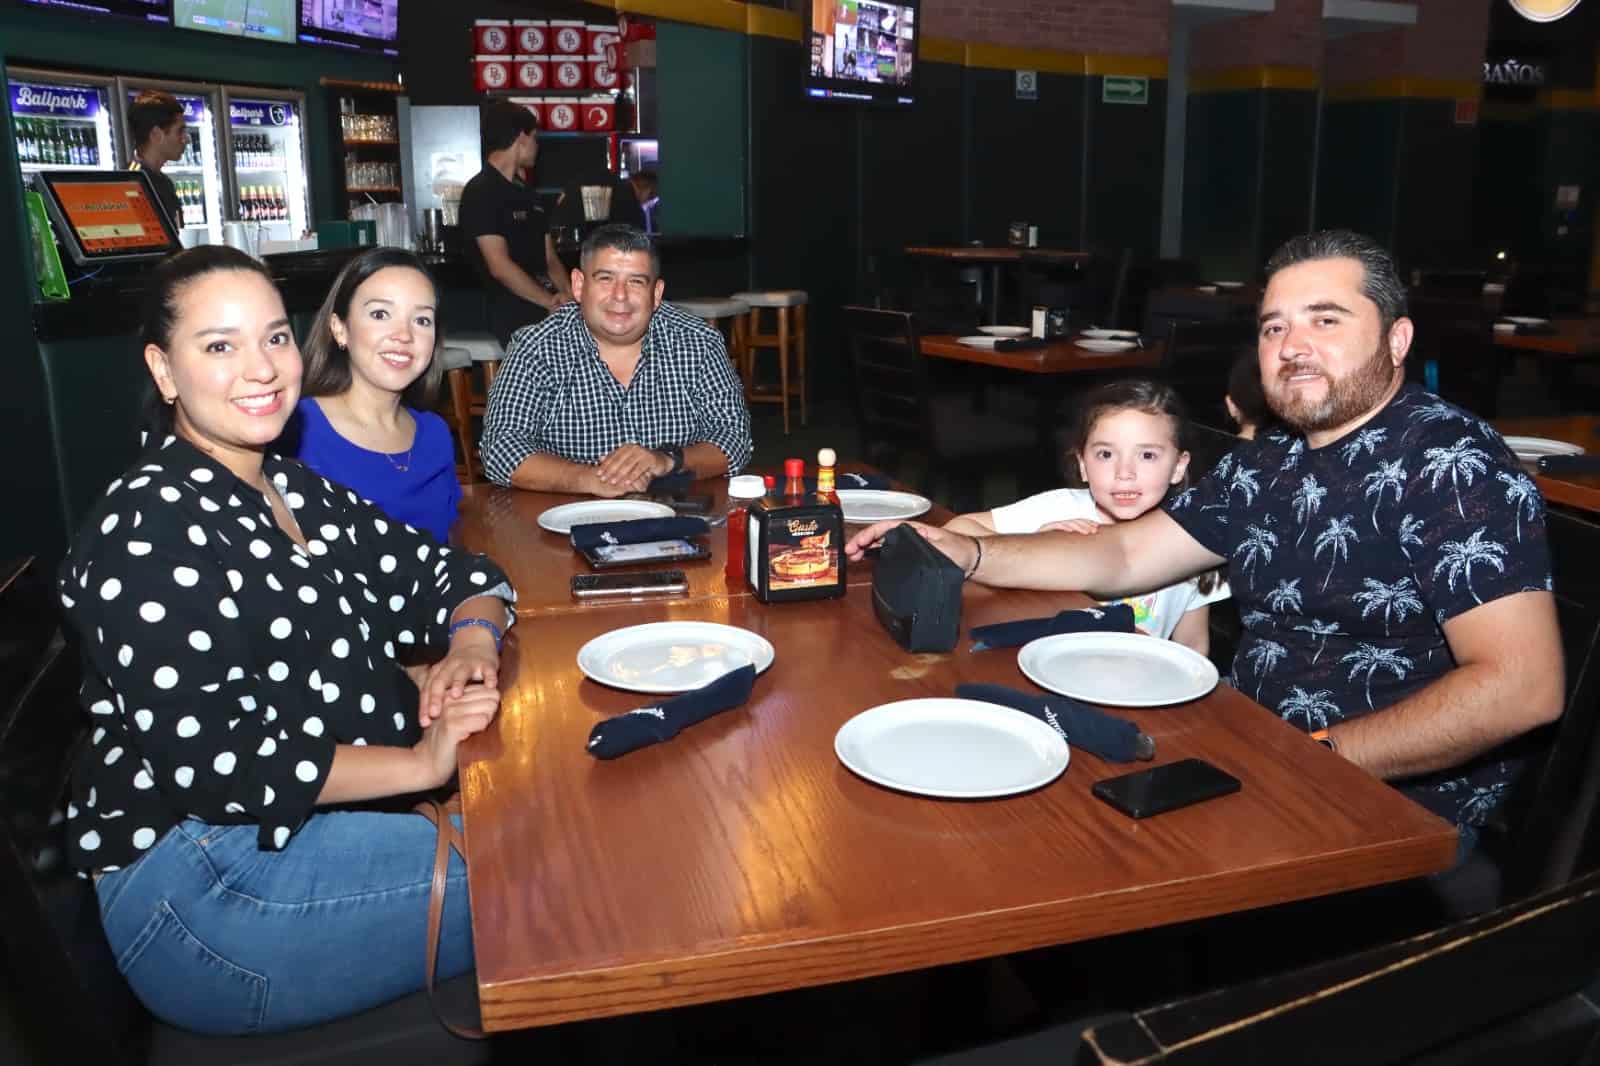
[1146, 793]
[679, 550]
[638, 583]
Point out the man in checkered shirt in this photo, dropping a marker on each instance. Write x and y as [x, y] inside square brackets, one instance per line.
[616, 388]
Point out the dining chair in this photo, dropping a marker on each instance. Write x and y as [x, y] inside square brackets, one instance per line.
[898, 411]
[1453, 352]
[1514, 985]
[67, 996]
[1198, 358]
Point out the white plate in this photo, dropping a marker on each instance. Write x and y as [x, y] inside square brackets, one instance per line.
[671, 656]
[980, 340]
[1531, 449]
[1228, 284]
[1505, 327]
[1004, 331]
[586, 512]
[958, 749]
[1523, 320]
[1209, 290]
[1094, 345]
[1111, 334]
[1118, 669]
[878, 505]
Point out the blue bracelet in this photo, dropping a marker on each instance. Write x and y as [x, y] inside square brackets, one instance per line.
[490, 626]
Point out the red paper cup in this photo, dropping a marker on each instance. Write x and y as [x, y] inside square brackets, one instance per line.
[560, 113]
[600, 35]
[530, 72]
[601, 74]
[567, 38]
[531, 36]
[599, 113]
[568, 72]
[494, 72]
[492, 37]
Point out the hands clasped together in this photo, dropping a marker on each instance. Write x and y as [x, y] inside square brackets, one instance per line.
[459, 697]
[628, 468]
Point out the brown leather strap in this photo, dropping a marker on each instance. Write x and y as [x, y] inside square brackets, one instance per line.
[447, 837]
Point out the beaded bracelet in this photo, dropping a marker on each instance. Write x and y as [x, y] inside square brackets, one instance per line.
[490, 626]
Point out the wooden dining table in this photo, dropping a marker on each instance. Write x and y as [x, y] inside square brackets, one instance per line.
[504, 524]
[1574, 490]
[742, 857]
[1059, 357]
[1576, 338]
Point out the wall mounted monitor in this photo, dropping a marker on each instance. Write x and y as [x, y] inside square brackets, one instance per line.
[354, 25]
[142, 10]
[862, 51]
[261, 20]
[105, 216]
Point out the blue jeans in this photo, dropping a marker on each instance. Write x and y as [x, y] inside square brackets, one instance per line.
[218, 936]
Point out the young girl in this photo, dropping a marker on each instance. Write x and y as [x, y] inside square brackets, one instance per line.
[1129, 451]
[370, 378]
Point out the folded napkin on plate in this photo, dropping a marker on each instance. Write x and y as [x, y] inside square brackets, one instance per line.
[1569, 464]
[637, 531]
[1021, 344]
[670, 484]
[1107, 736]
[1112, 618]
[644, 726]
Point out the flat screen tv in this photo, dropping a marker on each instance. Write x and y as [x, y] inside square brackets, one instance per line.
[143, 10]
[354, 25]
[261, 20]
[862, 51]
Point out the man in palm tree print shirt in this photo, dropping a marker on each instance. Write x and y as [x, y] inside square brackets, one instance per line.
[1386, 552]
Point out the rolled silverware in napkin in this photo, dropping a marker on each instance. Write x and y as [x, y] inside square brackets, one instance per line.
[1112, 618]
[643, 726]
[1111, 738]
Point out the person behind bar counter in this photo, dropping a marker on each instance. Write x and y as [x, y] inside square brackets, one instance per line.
[160, 136]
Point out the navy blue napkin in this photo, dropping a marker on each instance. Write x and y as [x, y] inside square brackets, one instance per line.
[1111, 618]
[637, 531]
[1021, 344]
[670, 484]
[1569, 464]
[643, 726]
[1111, 738]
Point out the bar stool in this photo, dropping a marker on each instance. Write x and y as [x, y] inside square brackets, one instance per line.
[463, 352]
[789, 306]
[715, 311]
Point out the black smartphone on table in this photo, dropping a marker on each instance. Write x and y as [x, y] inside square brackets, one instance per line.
[1145, 793]
[640, 583]
[602, 556]
[690, 504]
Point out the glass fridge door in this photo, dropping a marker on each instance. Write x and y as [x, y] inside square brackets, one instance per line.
[62, 121]
[198, 174]
[267, 143]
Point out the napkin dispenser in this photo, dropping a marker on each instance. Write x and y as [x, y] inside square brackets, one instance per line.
[916, 592]
[796, 548]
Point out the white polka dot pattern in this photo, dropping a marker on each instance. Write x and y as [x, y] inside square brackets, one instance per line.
[222, 679]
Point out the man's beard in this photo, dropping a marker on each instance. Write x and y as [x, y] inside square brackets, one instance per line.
[1347, 398]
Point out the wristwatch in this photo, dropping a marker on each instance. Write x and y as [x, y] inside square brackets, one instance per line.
[675, 453]
[1323, 737]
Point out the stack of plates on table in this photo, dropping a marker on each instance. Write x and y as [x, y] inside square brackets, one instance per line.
[1004, 331]
[979, 340]
[1096, 345]
[671, 656]
[588, 512]
[958, 749]
[1532, 449]
[879, 505]
[1111, 334]
[1118, 669]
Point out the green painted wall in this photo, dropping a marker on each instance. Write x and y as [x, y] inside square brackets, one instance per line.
[64, 415]
[701, 116]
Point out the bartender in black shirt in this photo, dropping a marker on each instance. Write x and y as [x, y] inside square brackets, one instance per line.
[159, 135]
[507, 237]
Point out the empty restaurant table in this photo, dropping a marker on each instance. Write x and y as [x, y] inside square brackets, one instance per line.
[997, 259]
[742, 856]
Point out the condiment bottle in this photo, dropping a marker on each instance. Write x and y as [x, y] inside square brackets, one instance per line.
[794, 477]
[825, 460]
[741, 490]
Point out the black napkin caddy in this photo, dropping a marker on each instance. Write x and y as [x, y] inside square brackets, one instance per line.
[916, 592]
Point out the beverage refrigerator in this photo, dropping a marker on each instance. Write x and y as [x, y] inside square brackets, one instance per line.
[64, 120]
[198, 176]
[266, 157]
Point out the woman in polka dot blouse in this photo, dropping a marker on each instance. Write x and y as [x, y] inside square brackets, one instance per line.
[239, 618]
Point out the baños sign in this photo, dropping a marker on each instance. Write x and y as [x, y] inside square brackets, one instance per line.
[1512, 71]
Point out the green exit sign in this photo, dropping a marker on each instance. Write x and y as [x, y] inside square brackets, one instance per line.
[1120, 90]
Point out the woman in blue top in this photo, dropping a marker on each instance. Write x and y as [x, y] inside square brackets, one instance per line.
[370, 378]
